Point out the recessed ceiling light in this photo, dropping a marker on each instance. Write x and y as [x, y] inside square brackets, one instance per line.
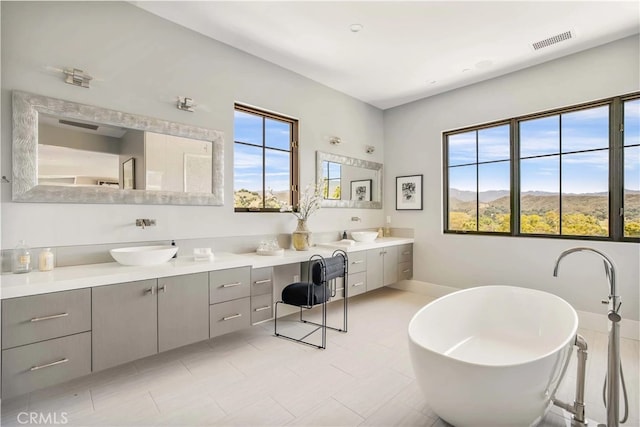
[464, 70]
[356, 28]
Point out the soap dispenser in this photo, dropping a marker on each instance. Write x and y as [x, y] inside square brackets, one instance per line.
[21, 260]
[344, 235]
[173, 243]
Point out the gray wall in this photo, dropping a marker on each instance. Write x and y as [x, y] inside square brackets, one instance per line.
[141, 64]
[463, 261]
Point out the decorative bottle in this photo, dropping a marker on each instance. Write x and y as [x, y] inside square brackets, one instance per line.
[45, 260]
[21, 260]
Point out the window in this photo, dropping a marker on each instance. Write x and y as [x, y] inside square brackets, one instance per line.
[564, 173]
[479, 170]
[631, 153]
[567, 173]
[265, 164]
[331, 177]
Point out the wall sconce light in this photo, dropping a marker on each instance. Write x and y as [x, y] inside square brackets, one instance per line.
[185, 104]
[77, 77]
[334, 140]
[370, 149]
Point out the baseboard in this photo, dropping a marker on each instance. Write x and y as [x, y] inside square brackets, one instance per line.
[588, 320]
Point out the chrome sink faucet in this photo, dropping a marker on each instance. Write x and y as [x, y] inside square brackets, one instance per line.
[614, 368]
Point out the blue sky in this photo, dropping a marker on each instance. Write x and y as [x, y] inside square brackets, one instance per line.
[581, 130]
[247, 163]
[581, 172]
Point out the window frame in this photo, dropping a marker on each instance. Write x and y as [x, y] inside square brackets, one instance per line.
[294, 170]
[616, 171]
[326, 181]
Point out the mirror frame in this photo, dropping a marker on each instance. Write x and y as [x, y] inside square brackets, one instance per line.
[25, 188]
[359, 163]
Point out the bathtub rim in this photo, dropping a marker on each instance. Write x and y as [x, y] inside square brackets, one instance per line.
[555, 350]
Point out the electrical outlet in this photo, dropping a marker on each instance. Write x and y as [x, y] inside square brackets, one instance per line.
[296, 278]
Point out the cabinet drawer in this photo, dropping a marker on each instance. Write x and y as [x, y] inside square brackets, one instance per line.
[229, 316]
[405, 253]
[41, 317]
[405, 270]
[357, 262]
[357, 283]
[34, 366]
[230, 284]
[261, 281]
[261, 308]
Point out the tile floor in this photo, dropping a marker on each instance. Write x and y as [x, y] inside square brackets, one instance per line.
[251, 378]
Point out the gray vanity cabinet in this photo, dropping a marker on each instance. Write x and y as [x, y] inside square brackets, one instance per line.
[139, 319]
[382, 267]
[230, 299]
[405, 261]
[183, 310]
[261, 294]
[46, 339]
[125, 323]
[357, 273]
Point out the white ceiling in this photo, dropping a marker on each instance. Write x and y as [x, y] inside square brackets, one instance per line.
[405, 50]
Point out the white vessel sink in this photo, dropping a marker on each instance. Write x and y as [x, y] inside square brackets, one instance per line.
[144, 255]
[364, 236]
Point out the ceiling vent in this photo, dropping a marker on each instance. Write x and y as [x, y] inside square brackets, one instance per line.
[552, 40]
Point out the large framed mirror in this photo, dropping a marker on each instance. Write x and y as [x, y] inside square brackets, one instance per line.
[66, 152]
[349, 182]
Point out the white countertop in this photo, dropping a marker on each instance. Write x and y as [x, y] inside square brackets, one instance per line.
[84, 276]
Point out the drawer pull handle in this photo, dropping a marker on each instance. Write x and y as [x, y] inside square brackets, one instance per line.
[406, 271]
[57, 362]
[406, 253]
[355, 285]
[266, 307]
[53, 316]
[231, 285]
[150, 291]
[162, 288]
[261, 282]
[232, 317]
[357, 262]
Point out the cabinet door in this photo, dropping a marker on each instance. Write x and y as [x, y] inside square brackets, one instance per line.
[357, 261]
[375, 263]
[30, 367]
[357, 283]
[390, 274]
[183, 310]
[230, 316]
[261, 281]
[230, 284]
[41, 317]
[125, 324]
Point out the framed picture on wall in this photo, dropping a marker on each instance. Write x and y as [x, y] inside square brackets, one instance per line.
[129, 174]
[361, 190]
[409, 193]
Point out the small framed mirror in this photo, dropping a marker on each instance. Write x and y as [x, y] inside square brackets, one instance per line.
[66, 152]
[349, 182]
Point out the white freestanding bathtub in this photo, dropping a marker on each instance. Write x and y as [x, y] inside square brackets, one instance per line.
[492, 355]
